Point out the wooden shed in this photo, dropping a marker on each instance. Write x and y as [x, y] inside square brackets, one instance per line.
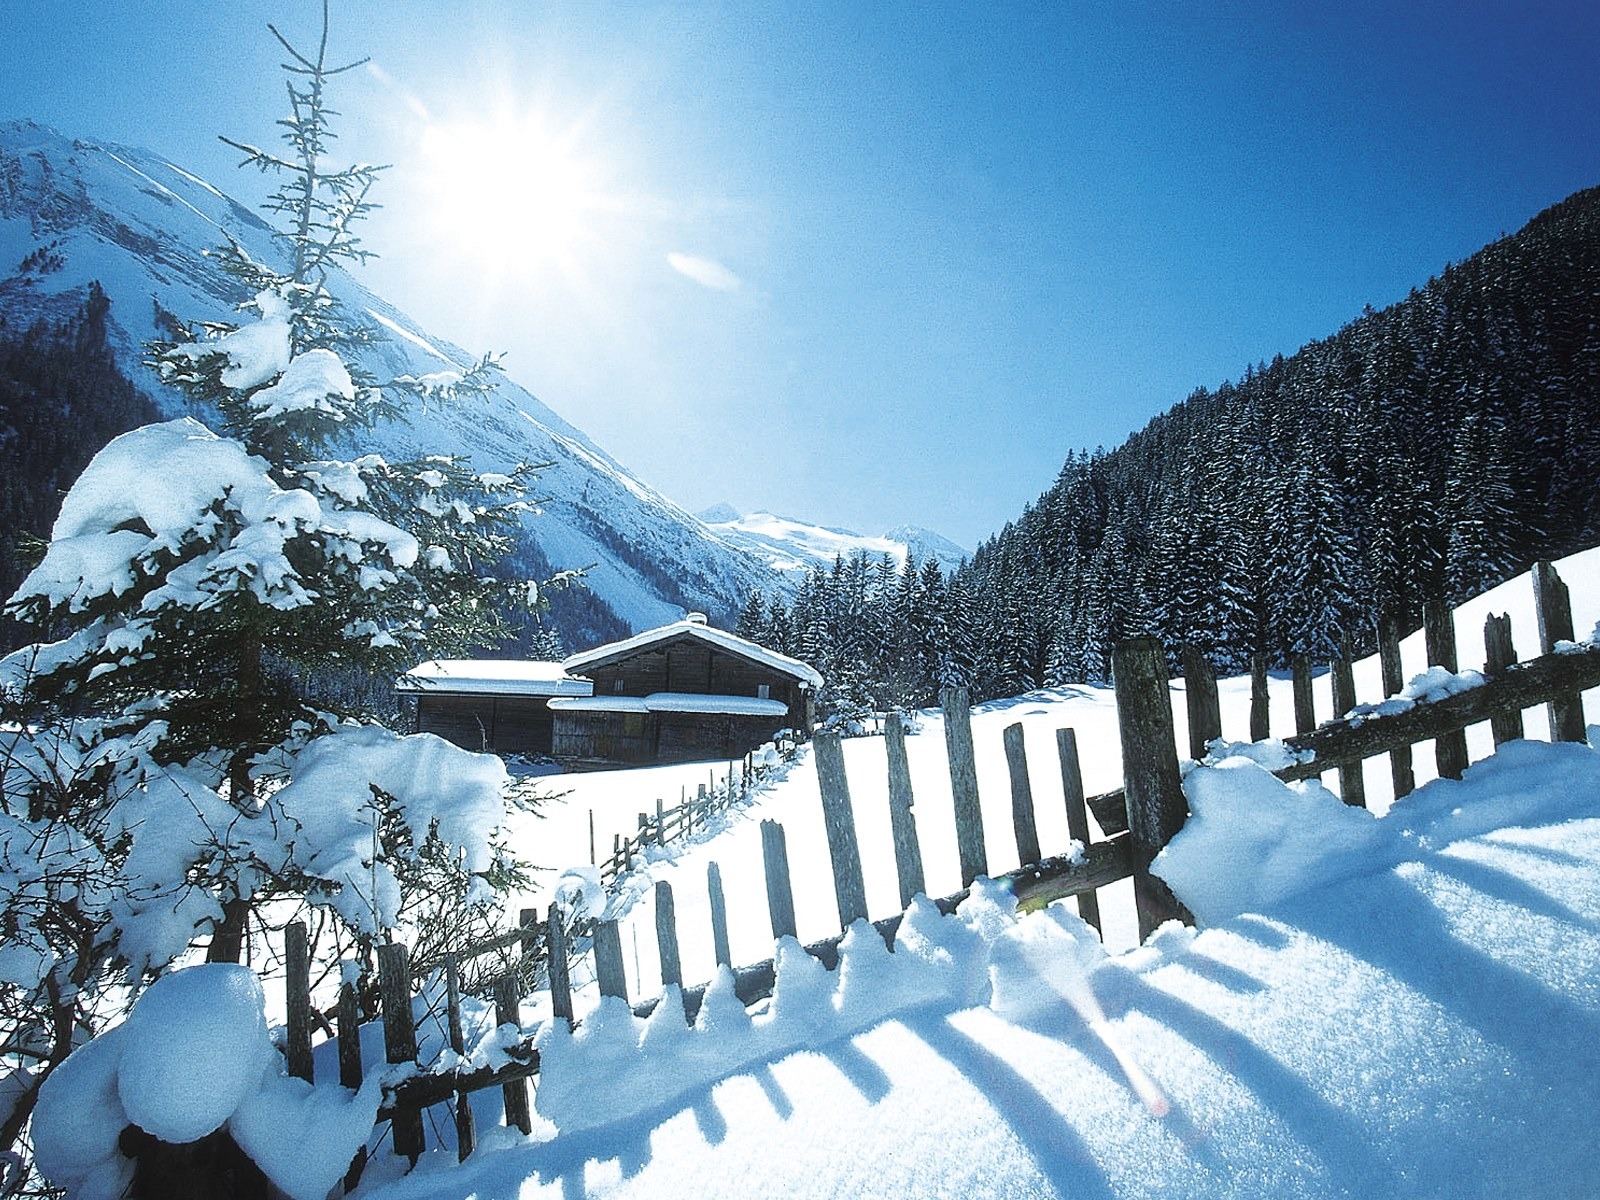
[682, 693]
[497, 705]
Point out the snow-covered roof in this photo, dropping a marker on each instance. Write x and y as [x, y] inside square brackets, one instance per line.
[720, 638]
[684, 702]
[493, 677]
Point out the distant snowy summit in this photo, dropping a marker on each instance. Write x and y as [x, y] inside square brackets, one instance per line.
[793, 546]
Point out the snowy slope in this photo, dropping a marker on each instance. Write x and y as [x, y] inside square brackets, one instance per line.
[140, 226]
[793, 546]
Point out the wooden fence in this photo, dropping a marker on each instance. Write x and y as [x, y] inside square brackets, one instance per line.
[1137, 820]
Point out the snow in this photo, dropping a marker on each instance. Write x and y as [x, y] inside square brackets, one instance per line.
[193, 1047]
[683, 702]
[304, 1136]
[576, 664]
[307, 382]
[488, 676]
[611, 704]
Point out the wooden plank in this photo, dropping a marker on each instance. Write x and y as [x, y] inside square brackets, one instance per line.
[1305, 705]
[1077, 814]
[1498, 654]
[347, 1018]
[667, 935]
[1022, 819]
[1260, 713]
[1156, 805]
[1200, 698]
[838, 817]
[964, 783]
[399, 1037]
[780, 891]
[609, 970]
[1523, 686]
[1400, 761]
[466, 1123]
[1554, 606]
[719, 916]
[513, 1092]
[297, 997]
[1439, 631]
[557, 968]
[1352, 787]
[907, 849]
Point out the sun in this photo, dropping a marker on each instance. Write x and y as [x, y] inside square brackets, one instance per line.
[513, 193]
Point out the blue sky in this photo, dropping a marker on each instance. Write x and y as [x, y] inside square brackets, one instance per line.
[868, 264]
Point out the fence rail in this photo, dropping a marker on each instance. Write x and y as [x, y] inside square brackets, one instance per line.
[1136, 820]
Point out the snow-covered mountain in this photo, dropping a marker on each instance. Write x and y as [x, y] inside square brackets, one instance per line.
[72, 212]
[793, 546]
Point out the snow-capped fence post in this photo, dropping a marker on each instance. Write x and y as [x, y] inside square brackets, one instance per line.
[719, 916]
[907, 850]
[1499, 653]
[839, 822]
[1077, 814]
[1260, 711]
[514, 1092]
[1022, 820]
[609, 971]
[1200, 698]
[1305, 706]
[399, 1038]
[466, 1125]
[297, 993]
[556, 968]
[1439, 631]
[1352, 786]
[1400, 769]
[780, 892]
[1153, 789]
[964, 783]
[667, 935]
[1554, 604]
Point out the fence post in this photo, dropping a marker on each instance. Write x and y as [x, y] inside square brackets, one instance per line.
[964, 783]
[399, 1037]
[667, 935]
[1405, 779]
[780, 892]
[556, 967]
[1260, 710]
[1153, 788]
[1550, 597]
[1439, 629]
[513, 1093]
[297, 988]
[907, 850]
[1200, 700]
[528, 922]
[1305, 705]
[1027, 829]
[1498, 654]
[609, 972]
[348, 1018]
[719, 916]
[466, 1126]
[850, 890]
[1077, 813]
[592, 859]
[1352, 787]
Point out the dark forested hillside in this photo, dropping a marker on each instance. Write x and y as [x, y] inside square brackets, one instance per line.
[1433, 448]
[62, 397]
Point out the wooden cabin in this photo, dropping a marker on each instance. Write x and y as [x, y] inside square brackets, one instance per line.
[683, 693]
[495, 705]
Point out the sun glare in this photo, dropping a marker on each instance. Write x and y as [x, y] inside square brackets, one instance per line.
[513, 194]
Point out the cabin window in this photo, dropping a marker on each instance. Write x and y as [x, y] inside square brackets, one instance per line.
[617, 687]
[763, 691]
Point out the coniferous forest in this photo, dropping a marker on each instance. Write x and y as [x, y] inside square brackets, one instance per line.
[1431, 449]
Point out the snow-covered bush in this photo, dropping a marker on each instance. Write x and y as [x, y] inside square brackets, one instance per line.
[169, 760]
